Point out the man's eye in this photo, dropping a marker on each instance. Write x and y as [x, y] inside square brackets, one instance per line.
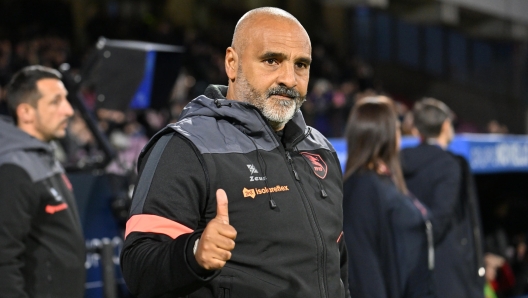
[271, 61]
[302, 65]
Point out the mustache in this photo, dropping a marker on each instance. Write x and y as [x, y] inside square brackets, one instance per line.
[284, 91]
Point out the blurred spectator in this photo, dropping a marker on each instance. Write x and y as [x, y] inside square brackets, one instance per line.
[128, 140]
[495, 127]
[81, 141]
[342, 103]
[365, 76]
[385, 229]
[407, 125]
[318, 105]
[42, 250]
[5, 61]
[462, 126]
[445, 184]
[506, 244]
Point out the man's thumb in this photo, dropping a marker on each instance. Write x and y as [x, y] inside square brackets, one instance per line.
[222, 211]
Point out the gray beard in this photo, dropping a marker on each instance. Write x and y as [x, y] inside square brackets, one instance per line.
[277, 112]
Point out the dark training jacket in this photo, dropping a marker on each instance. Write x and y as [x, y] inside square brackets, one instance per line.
[443, 182]
[294, 249]
[42, 250]
[390, 254]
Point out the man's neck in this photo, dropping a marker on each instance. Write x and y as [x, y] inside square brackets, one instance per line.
[32, 133]
[440, 142]
[230, 94]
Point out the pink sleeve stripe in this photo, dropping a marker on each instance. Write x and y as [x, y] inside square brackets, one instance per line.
[155, 224]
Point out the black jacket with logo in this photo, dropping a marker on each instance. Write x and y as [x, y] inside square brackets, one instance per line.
[294, 249]
[42, 250]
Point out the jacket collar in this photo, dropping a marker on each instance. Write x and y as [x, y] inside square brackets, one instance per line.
[14, 139]
[242, 115]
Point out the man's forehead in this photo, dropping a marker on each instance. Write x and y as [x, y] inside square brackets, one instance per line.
[276, 26]
[273, 39]
[50, 86]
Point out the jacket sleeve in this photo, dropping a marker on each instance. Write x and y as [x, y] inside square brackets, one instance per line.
[446, 192]
[362, 232]
[157, 256]
[19, 202]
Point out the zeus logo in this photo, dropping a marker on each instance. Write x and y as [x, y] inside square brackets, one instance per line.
[252, 169]
[56, 194]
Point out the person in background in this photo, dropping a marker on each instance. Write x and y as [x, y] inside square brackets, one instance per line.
[387, 232]
[42, 250]
[240, 198]
[444, 183]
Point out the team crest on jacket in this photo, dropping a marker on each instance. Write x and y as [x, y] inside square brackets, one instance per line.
[318, 164]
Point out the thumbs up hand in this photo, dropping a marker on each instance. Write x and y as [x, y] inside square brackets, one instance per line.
[218, 238]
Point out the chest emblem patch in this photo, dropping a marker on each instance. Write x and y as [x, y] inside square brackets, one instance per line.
[318, 164]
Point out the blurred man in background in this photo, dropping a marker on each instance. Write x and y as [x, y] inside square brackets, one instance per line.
[42, 250]
[444, 183]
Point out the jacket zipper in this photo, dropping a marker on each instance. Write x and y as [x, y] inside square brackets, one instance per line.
[317, 230]
[290, 160]
[320, 241]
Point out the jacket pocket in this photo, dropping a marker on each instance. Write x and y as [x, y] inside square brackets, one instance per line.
[225, 293]
[225, 283]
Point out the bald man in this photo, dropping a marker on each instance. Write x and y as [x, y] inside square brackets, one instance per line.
[240, 198]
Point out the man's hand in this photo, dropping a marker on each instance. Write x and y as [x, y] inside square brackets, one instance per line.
[218, 238]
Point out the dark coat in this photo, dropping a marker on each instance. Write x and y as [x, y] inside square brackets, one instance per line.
[443, 182]
[285, 202]
[386, 240]
[42, 250]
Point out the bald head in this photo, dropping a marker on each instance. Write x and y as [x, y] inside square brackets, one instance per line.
[252, 18]
[268, 64]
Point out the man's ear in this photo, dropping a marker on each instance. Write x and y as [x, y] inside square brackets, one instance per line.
[231, 64]
[415, 132]
[447, 130]
[446, 126]
[25, 113]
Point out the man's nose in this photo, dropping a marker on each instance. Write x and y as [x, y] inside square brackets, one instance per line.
[287, 76]
[67, 108]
